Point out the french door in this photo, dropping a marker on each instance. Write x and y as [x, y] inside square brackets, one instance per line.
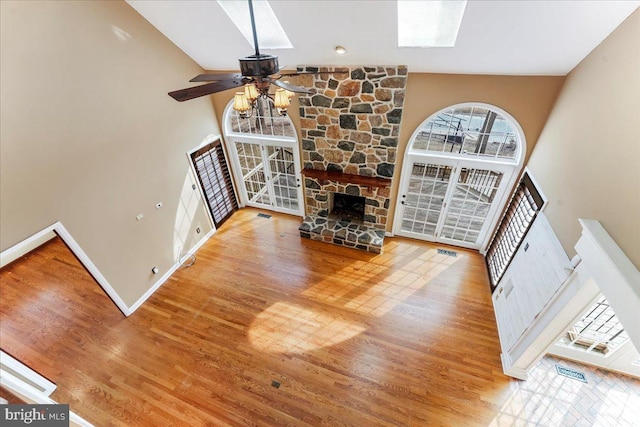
[448, 200]
[269, 174]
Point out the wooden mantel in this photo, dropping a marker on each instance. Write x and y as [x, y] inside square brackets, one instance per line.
[347, 178]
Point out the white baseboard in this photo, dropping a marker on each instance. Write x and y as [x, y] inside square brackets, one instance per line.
[12, 366]
[23, 248]
[61, 231]
[16, 250]
[388, 234]
[30, 394]
[168, 274]
[511, 370]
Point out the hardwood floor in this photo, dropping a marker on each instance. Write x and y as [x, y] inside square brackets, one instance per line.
[405, 338]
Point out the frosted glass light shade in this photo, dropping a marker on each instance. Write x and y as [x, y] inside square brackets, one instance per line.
[240, 102]
[281, 100]
[251, 92]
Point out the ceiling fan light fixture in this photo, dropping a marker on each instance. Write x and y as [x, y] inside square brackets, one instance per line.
[241, 104]
[281, 101]
[250, 92]
[340, 50]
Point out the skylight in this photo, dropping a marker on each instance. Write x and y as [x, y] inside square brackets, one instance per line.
[271, 35]
[430, 23]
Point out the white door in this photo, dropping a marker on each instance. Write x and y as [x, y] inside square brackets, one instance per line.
[459, 166]
[448, 200]
[269, 174]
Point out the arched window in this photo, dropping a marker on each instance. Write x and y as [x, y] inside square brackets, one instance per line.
[264, 120]
[471, 130]
[457, 172]
[264, 154]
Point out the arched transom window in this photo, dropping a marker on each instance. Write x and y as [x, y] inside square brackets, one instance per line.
[469, 130]
[264, 120]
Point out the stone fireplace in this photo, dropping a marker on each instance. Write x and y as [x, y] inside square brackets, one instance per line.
[350, 129]
[346, 206]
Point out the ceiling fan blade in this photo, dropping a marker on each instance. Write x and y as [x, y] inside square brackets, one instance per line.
[216, 77]
[208, 89]
[292, 88]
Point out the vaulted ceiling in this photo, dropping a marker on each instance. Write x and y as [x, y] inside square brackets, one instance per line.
[496, 37]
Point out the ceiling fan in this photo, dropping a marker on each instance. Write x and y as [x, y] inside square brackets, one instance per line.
[257, 72]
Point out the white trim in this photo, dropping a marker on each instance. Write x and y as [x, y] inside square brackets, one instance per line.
[231, 138]
[169, 272]
[33, 395]
[21, 248]
[35, 241]
[604, 268]
[527, 171]
[512, 371]
[229, 133]
[616, 276]
[511, 172]
[61, 231]
[90, 266]
[194, 174]
[518, 159]
[46, 386]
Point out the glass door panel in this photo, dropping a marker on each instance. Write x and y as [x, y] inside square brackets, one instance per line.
[282, 167]
[469, 204]
[449, 201]
[424, 198]
[269, 174]
[253, 174]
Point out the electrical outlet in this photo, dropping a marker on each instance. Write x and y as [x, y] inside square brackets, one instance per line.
[139, 217]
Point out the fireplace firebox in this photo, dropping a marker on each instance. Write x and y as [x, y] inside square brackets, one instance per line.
[345, 206]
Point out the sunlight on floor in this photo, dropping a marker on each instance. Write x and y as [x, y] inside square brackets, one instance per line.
[374, 291]
[379, 288]
[289, 328]
[547, 399]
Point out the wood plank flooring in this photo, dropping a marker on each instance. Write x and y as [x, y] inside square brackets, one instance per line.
[405, 338]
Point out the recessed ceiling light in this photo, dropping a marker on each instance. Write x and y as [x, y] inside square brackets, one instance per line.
[340, 50]
[432, 23]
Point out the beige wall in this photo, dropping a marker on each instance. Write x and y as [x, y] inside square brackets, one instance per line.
[528, 99]
[587, 160]
[90, 138]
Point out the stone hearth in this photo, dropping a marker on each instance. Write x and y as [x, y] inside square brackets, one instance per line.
[350, 127]
[343, 233]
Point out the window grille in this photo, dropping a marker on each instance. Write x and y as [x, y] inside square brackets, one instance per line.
[469, 131]
[525, 203]
[265, 120]
[598, 331]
